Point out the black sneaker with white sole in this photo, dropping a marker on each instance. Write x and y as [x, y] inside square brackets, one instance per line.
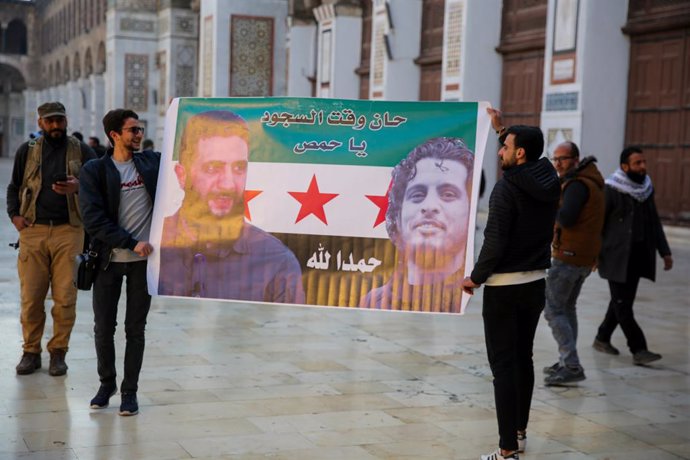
[129, 404]
[565, 376]
[102, 398]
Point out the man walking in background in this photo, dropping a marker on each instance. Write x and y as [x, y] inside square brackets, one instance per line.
[575, 247]
[42, 203]
[632, 234]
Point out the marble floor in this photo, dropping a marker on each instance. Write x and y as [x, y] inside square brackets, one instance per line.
[240, 381]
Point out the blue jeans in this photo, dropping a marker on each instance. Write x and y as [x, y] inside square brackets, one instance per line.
[563, 285]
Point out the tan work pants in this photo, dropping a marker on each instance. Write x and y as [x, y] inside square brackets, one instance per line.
[46, 258]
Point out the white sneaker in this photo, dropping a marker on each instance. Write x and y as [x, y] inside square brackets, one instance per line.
[522, 442]
[497, 456]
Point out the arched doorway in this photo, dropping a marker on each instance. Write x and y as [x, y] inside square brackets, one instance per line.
[12, 123]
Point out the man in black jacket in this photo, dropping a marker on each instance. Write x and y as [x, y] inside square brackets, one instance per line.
[632, 234]
[512, 263]
[116, 196]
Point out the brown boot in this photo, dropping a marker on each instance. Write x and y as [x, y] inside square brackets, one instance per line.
[57, 362]
[29, 363]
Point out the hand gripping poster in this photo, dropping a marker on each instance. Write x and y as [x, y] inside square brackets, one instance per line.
[321, 202]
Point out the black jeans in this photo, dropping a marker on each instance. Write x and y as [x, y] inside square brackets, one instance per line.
[620, 311]
[511, 315]
[106, 294]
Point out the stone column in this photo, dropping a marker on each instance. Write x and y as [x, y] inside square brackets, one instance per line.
[176, 63]
[98, 106]
[586, 72]
[31, 103]
[87, 115]
[339, 43]
[396, 35]
[301, 44]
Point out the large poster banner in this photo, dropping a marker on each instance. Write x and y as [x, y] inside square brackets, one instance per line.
[324, 202]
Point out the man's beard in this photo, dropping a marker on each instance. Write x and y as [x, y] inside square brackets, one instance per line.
[430, 257]
[638, 178]
[210, 228]
[506, 165]
[55, 139]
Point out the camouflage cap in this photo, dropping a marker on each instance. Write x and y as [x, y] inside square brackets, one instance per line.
[51, 109]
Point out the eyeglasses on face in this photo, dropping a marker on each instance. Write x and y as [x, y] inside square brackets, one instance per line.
[134, 130]
[561, 159]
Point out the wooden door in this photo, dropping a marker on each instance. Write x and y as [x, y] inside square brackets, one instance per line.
[658, 116]
[431, 50]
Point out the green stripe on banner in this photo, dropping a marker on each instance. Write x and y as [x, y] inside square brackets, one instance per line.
[336, 131]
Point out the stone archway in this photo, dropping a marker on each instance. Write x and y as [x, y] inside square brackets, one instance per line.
[15, 38]
[12, 123]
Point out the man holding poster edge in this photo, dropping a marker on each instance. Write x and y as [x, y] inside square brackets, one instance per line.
[512, 263]
[207, 248]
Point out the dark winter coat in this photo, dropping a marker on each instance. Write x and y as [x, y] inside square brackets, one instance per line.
[617, 236]
[99, 200]
[522, 212]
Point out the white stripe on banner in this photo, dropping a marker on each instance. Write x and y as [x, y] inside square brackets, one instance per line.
[350, 213]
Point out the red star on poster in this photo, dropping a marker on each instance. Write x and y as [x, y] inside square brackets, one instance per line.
[312, 201]
[381, 201]
[249, 195]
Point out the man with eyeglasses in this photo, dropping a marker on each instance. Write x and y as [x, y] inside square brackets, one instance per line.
[42, 203]
[116, 195]
[574, 251]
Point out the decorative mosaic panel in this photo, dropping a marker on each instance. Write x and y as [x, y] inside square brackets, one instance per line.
[162, 81]
[184, 71]
[184, 24]
[208, 57]
[137, 5]
[454, 39]
[556, 136]
[136, 81]
[251, 58]
[136, 25]
[561, 101]
[379, 51]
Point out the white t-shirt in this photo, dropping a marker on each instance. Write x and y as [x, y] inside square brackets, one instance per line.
[135, 210]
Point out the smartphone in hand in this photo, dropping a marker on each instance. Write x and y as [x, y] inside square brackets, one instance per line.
[59, 177]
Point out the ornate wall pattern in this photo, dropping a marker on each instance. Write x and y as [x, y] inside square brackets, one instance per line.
[184, 71]
[207, 62]
[136, 25]
[161, 59]
[379, 51]
[138, 5]
[184, 24]
[135, 81]
[454, 39]
[251, 58]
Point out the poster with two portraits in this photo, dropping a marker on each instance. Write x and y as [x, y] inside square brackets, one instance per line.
[319, 202]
